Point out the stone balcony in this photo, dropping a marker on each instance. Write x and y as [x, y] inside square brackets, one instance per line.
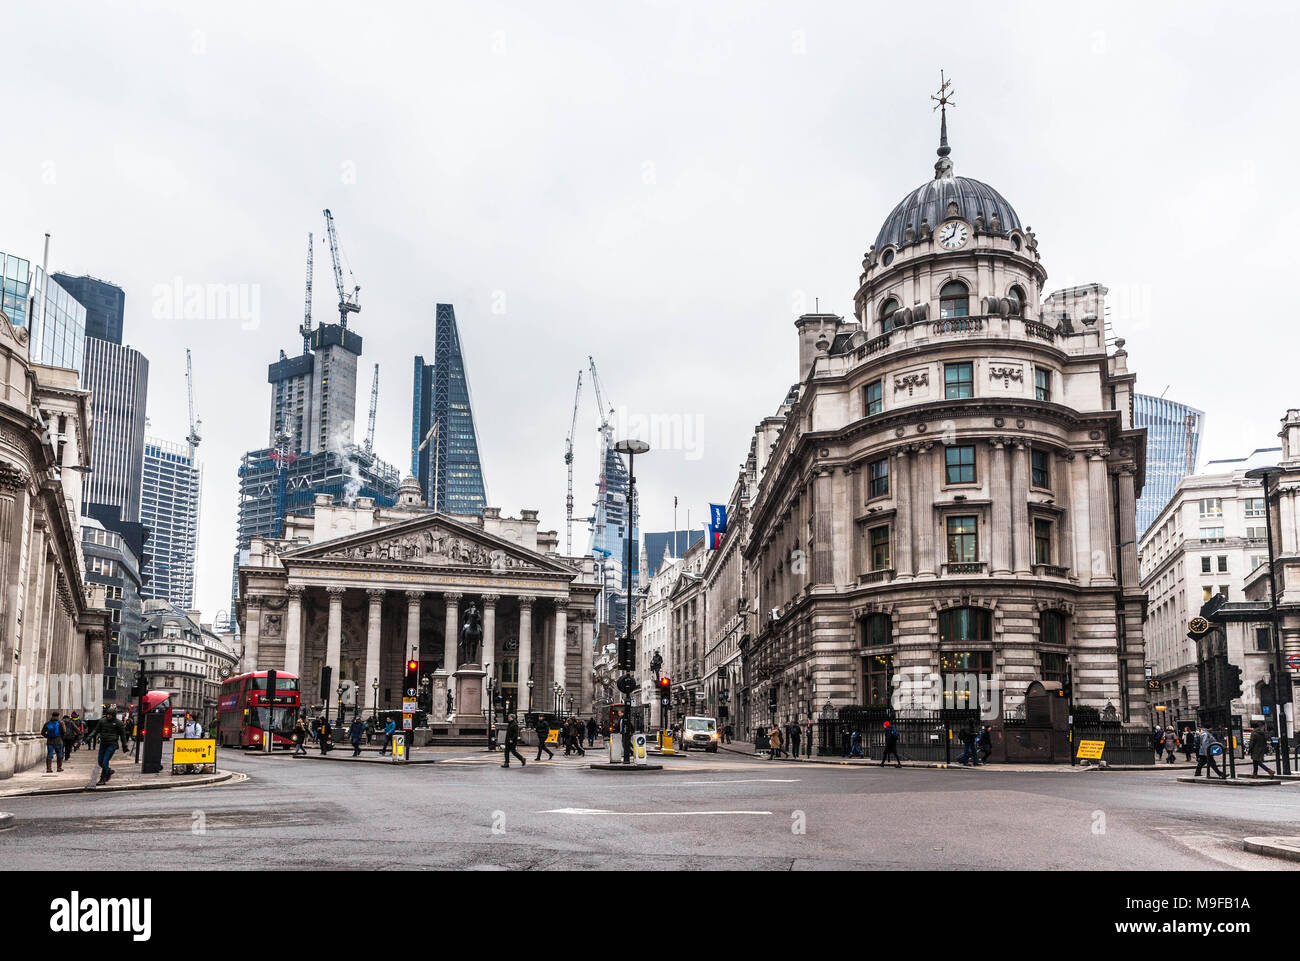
[883, 576]
[964, 569]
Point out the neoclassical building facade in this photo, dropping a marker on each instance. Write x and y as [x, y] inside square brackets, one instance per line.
[953, 486]
[52, 624]
[361, 589]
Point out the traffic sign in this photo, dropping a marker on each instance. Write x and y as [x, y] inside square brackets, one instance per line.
[1091, 750]
[408, 705]
[1293, 662]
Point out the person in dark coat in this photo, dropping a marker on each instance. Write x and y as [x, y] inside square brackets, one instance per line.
[53, 733]
[109, 733]
[794, 740]
[1258, 749]
[1170, 745]
[1204, 758]
[891, 745]
[323, 731]
[356, 731]
[969, 754]
[625, 729]
[512, 741]
[591, 731]
[986, 743]
[575, 736]
[543, 731]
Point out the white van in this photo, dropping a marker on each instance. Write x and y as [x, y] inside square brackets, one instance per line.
[700, 732]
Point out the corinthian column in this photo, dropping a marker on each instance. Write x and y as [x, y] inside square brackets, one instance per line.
[293, 632]
[561, 639]
[525, 650]
[489, 640]
[584, 644]
[903, 513]
[923, 511]
[449, 634]
[413, 599]
[334, 639]
[1099, 516]
[1000, 492]
[373, 626]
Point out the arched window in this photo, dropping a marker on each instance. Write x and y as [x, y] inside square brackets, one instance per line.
[887, 310]
[954, 300]
[1017, 297]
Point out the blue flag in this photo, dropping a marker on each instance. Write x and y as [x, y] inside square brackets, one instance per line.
[717, 525]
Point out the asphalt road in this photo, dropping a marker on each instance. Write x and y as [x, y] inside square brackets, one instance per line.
[701, 812]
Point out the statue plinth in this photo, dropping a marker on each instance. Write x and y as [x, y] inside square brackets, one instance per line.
[469, 692]
[439, 695]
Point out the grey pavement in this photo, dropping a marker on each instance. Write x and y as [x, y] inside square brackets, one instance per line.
[700, 812]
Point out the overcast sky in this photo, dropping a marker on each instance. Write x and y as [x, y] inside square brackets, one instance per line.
[665, 186]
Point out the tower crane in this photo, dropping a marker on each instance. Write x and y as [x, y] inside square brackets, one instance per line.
[374, 403]
[305, 329]
[568, 460]
[347, 302]
[195, 423]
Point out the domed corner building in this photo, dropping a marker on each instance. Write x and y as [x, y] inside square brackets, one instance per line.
[951, 487]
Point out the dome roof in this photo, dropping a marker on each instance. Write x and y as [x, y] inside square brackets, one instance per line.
[930, 202]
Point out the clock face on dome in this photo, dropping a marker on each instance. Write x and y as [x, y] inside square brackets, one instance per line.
[952, 234]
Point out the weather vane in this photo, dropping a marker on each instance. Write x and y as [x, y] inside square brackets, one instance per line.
[942, 99]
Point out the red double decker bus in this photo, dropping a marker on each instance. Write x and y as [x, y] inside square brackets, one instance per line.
[247, 713]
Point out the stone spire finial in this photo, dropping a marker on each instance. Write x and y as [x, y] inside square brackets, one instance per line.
[943, 167]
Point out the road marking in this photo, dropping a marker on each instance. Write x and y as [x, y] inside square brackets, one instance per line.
[749, 780]
[643, 814]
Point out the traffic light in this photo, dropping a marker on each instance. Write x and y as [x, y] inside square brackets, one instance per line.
[665, 690]
[626, 653]
[1231, 682]
[412, 677]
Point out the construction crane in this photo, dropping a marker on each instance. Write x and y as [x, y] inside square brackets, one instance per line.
[347, 302]
[568, 460]
[374, 403]
[195, 423]
[305, 329]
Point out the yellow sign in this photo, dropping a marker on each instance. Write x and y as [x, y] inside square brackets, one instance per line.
[1091, 750]
[399, 749]
[553, 736]
[194, 751]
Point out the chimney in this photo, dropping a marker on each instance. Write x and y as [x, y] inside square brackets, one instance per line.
[1290, 435]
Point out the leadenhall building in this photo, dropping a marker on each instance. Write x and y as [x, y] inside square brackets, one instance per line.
[954, 485]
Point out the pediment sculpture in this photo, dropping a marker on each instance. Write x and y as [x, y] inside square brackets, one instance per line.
[434, 547]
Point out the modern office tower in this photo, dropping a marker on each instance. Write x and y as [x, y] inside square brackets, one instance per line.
[54, 320]
[118, 380]
[105, 305]
[448, 466]
[1173, 438]
[314, 395]
[111, 562]
[610, 532]
[169, 507]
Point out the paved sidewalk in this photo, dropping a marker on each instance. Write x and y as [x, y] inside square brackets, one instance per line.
[80, 772]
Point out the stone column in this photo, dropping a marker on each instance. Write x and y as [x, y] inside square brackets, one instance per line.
[561, 641]
[588, 658]
[413, 599]
[902, 513]
[525, 649]
[823, 528]
[1000, 492]
[373, 626]
[489, 640]
[1065, 526]
[95, 663]
[1079, 520]
[1099, 516]
[451, 633]
[1020, 539]
[293, 633]
[923, 512]
[334, 639]
[1128, 525]
[252, 632]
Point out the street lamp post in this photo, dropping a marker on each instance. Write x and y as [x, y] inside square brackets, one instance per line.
[340, 694]
[1267, 476]
[530, 695]
[631, 448]
[374, 700]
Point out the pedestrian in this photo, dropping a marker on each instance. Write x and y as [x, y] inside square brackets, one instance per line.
[78, 731]
[808, 737]
[1189, 743]
[1170, 744]
[543, 730]
[53, 731]
[1204, 758]
[323, 732]
[69, 736]
[726, 734]
[390, 731]
[575, 727]
[794, 740]
[512, 742]
[591, 732]
[891, 745]
[625, 729]
[760, 741]
[986, 743]
[969, 755]
[855, 742]
[299, 738]
[193, 729]
[109, 732]
[1258, 749]
[356, 731]
[774, 742]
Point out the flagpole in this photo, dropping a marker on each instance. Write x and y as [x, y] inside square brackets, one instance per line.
[674, 525]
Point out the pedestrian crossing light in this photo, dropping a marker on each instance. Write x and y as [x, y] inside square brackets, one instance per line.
[412, 676]
[665, 689]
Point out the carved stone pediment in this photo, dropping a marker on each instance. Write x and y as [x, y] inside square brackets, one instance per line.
[435, 542]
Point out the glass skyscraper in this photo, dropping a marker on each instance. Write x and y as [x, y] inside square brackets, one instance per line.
[105, 305]
[169, 506]
[1173, 440]
[54, 319]
[448, 466]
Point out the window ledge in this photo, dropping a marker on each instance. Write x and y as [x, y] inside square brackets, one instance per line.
[877, 577]
[963, 568]
[1050, 570]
